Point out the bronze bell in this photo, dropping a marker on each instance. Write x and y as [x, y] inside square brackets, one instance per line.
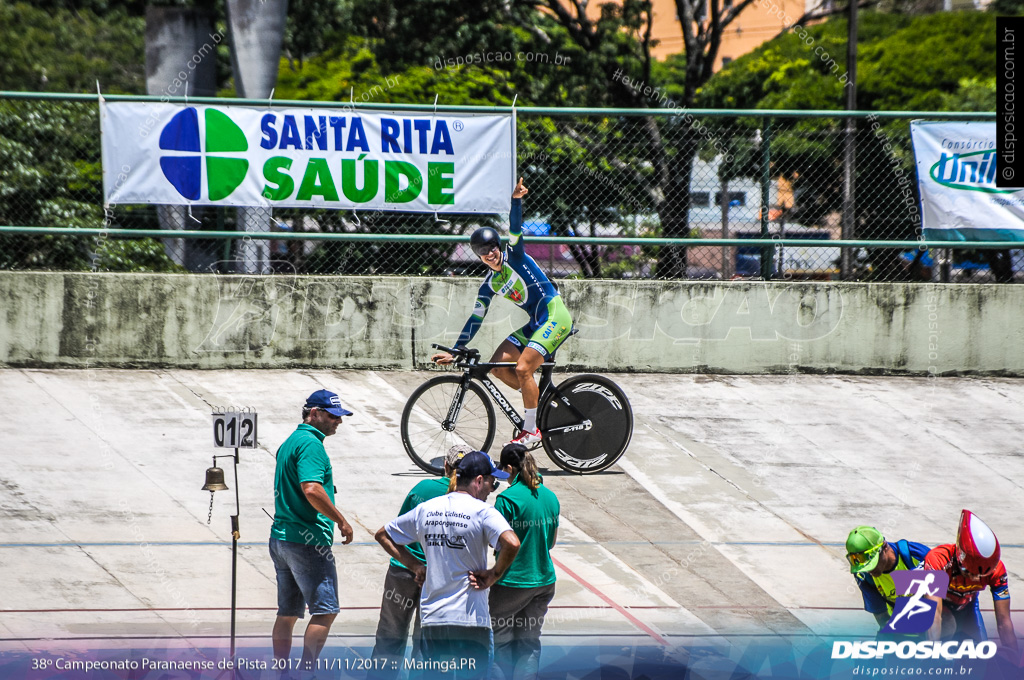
[215, 479]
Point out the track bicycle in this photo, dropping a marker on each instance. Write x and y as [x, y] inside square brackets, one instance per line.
[586, 422]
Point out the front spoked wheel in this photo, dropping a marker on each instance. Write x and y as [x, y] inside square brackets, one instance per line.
[597, 442]
[427, 432]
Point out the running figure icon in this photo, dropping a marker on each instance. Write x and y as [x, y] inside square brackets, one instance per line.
[918, 586]
[914, 604]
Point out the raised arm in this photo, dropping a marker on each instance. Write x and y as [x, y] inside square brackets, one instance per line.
[515, 220]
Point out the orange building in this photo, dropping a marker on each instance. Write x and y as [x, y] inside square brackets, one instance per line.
[758, 23]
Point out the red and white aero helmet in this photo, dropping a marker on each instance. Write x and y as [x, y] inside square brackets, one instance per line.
[977, 548]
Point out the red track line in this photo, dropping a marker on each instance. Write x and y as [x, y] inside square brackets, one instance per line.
[619, 608]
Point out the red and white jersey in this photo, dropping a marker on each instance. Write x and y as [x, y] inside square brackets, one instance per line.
[963, 589]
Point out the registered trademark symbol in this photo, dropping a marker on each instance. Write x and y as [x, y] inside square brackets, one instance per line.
[458, 126]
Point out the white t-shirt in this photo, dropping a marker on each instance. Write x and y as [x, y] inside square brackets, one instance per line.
[455, 531]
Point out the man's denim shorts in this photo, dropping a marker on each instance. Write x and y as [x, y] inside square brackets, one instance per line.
[306, 574]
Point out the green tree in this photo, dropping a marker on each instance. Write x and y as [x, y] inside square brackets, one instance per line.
[51, 175]
[670, 143]
[903, 64]
[69, 51]
[1006, 8]
[136, 8]
[313, 26]
[972, 94]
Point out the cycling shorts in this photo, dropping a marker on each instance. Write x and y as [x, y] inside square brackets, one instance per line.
[546, 333]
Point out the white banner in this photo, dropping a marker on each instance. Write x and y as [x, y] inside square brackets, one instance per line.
[307, 158]
[956, 173]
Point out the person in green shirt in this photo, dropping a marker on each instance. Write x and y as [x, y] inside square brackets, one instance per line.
[400, 603]
[303, 529]
[519, 600]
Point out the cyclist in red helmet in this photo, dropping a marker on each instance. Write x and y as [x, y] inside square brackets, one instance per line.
[972, 564]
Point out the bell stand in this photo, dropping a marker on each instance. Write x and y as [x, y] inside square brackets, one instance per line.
[234, 554]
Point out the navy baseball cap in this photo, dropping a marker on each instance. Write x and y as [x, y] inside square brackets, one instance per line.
[479, 463]
[328, 401]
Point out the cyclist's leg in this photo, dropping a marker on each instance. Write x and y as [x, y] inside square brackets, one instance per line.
[506, 352]
[529, 361]
[549, 332]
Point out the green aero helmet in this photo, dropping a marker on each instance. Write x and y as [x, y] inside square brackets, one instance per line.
[864, 548]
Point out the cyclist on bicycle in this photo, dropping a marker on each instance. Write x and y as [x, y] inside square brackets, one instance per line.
[516, 277]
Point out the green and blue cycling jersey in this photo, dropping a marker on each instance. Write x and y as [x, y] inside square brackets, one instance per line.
[879, 592]
[522, 282]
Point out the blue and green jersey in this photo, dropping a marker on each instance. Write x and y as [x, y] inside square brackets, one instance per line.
[520, 281]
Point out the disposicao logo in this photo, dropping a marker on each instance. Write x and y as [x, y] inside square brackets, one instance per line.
[911, 615]
[184, 168]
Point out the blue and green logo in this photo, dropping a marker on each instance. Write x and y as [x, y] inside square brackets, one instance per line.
[975, 171]
[184, 169]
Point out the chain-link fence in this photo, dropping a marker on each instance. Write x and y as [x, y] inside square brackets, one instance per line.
[662, 175]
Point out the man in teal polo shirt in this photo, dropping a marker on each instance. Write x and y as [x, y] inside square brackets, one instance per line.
[401, 598]
[303, 529]
[519, 600]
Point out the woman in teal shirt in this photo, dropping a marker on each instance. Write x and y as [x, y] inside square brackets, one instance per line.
[519, 600]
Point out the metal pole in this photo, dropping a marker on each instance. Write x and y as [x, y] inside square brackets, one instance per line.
[234, 564]
[766, 178]
[228, 243]
[723, 203]
[850, 141]
[614, 241]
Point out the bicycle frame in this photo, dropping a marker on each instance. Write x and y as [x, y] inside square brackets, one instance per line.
[481, 372]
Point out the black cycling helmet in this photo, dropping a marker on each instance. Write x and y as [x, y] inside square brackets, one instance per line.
[483, 240]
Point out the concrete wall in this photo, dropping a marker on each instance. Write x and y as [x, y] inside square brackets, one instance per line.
[205, 321]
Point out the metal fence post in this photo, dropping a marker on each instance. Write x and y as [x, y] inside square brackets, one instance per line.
[766, 178]
[849, 209]
[849, 147]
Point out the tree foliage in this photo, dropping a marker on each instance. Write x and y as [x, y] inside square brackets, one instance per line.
[313, 26]
[68, 51]
[930, 62]
[903, 63]
[51, 175]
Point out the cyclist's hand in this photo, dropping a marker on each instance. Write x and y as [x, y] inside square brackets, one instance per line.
[442, 359]
[520, 190]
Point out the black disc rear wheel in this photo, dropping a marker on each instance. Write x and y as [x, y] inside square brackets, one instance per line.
[597, 446]
[424, 435]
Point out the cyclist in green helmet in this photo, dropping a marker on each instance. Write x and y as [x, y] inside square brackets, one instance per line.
[872, 559]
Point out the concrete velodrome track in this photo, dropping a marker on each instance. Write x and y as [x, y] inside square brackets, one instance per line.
[726, 516]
